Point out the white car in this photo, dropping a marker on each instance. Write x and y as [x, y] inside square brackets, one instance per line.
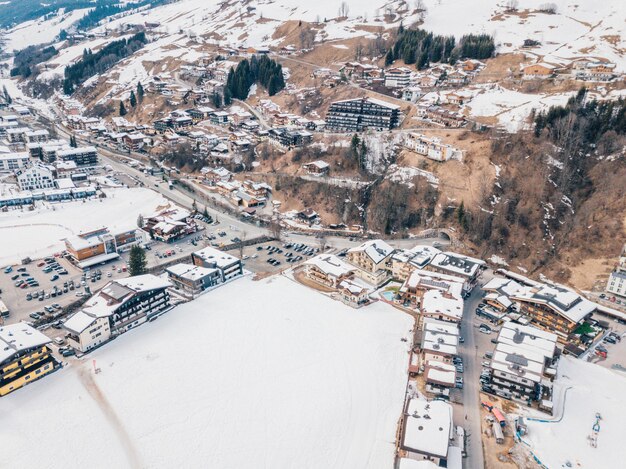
[79, 294]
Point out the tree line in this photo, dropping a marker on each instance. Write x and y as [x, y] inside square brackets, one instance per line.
[265, 71]
[25, 61]
[93, 63]
[420, 47]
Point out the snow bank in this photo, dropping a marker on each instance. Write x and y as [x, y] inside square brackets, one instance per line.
[253, 374]
[40, 232]
[590, 389]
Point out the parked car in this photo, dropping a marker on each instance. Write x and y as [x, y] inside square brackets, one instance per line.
[8, 270]
[34, 316]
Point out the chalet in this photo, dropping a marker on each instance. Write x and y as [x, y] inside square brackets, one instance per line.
[290, 138]
[441, 116]
[215, 175]
[405, 261]
[457, 77]
[458, 265]
[328, 270]
[170, 224]
[182, 122]
[134, 141]
[256, 189]
[397, 77]
[200, 113]
[598, 71]
[538, 70]
[359, 70]
[553, 308]
[471, 65]
[356, 115]
[308, 215]
[420, 281]
[440, 375]
[25, 356]
[228, 266]
[317, 168]
[432, 148]
[353, 294]
[370, 260]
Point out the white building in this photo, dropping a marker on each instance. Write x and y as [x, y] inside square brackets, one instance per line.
[442, 305]
[458, 265]
[617, 279]
[13, 161]
[87, 331]
[432, 148]
[38, 176]
[397, 77]
[370, 260]
[427, 430]
[228, 265]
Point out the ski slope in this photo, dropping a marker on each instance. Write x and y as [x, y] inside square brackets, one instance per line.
[265, 374]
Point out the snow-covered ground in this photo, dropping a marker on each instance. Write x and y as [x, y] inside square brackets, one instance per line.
[40, 232]
[590, 389]
[253, 374]
[40, 31]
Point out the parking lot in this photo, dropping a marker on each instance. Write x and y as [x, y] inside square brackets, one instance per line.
[274, 256]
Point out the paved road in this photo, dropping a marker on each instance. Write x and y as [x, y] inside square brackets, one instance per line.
[472, 358]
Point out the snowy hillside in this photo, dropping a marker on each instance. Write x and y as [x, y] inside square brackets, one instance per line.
[266, 374]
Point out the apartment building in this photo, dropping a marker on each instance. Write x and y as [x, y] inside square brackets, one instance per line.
[397, 77]
[289, 137]
[616, 283]
[524, 363]
[13, 161]
[432, 148]
[118, 307]
[82, 156]
[458, 265]
[420, 281]
[427, 430]
[356, 115]
[328, 270]
[24, 356]
[228, 266]
[193, 279]
[38, 176]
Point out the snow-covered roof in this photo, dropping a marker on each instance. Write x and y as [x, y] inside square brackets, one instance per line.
[406, 463]
[443, 327]
[377, 250]
[436, 302]
[528, 338]
[190, 271]
[563, 300]
[457, 263]
[142, 283]
[428, 426]
[79, 322]
[19, 337]
[501, 285]
[330, 265]
[216, 257]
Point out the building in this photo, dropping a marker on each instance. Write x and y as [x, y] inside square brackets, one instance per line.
[440, 375]
[405, 261]
[24, 356]
[427, 430]
[328, 270]
[420, 281]
[432, 148]
[82, 156]
[193, 279]
[13, 161]
[317, 168]
[553, 308]
[102, 245]
[370, 260]
[442, 305]
[439, 340]
[228, 266]
[353, 294]
[598, 71]
[538, 70]
[35, 177]
[458, 265]
[617, 279]
[356, 115]
[523, 363]
[134, 141]
[397, 77]
[412, 93]
[169, 224]
[37, 136]
[123, 304]
[289, 137]
[499, 291]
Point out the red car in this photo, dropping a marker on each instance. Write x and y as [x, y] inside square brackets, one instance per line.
[41, 264]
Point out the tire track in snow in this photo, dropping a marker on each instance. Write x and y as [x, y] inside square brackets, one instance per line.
[90, 385]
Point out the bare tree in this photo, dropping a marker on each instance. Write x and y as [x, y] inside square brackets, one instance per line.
[276, 229]
[511, 5]
[344, 9]
[322, 240]
[242, 241]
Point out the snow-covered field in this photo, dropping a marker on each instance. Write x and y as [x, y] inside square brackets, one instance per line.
[266, 374]
[40, 232]
[591, 389]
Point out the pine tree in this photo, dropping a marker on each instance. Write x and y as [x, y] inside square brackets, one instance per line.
[216, 98]
[73, 143]
[140, 221]
[137, 261]
[133, 99]
[140, 92]
[122, 109]
[362, 155]
[354, 145]
[228, 97]
[7, 96]
[389, 58]
[460, 212]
